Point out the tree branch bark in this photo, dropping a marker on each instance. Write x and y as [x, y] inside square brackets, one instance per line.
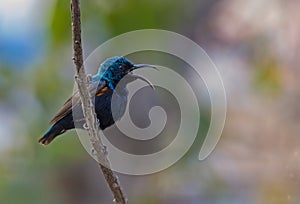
[99, 149]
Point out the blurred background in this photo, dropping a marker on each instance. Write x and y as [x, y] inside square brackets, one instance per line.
[255, 45]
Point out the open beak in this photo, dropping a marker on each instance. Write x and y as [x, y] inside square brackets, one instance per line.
[138, 66]
[143, 79]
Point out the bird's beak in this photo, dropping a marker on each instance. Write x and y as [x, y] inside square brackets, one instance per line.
[138, 66]
[134, 76]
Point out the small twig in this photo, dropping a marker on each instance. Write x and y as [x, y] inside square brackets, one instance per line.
[99, 149]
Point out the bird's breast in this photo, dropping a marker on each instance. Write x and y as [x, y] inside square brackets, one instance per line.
[110, 107]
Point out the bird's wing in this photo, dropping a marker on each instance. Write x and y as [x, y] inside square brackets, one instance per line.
[95, 88]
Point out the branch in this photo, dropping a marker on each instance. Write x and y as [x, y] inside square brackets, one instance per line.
[99, 149]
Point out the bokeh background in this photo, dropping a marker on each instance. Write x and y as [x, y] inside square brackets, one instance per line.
[255, 45]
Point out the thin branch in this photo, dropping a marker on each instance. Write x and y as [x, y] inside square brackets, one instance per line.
[88, 109]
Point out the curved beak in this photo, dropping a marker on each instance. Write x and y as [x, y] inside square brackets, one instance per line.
[138, 66]
[143, 79]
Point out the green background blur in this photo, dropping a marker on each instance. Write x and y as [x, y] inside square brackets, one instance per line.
[254, 44]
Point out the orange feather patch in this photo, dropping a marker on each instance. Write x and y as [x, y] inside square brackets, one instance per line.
[102, 91]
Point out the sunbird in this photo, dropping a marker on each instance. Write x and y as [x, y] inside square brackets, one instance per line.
[101, 86]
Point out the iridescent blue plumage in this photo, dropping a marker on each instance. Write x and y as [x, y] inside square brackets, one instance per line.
[102, 87]
[112, 70]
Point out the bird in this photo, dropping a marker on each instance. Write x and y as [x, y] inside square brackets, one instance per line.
[109, 79]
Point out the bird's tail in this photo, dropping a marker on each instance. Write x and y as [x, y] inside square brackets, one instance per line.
[51, 133]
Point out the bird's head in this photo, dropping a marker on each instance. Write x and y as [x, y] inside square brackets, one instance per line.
[113, 69]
